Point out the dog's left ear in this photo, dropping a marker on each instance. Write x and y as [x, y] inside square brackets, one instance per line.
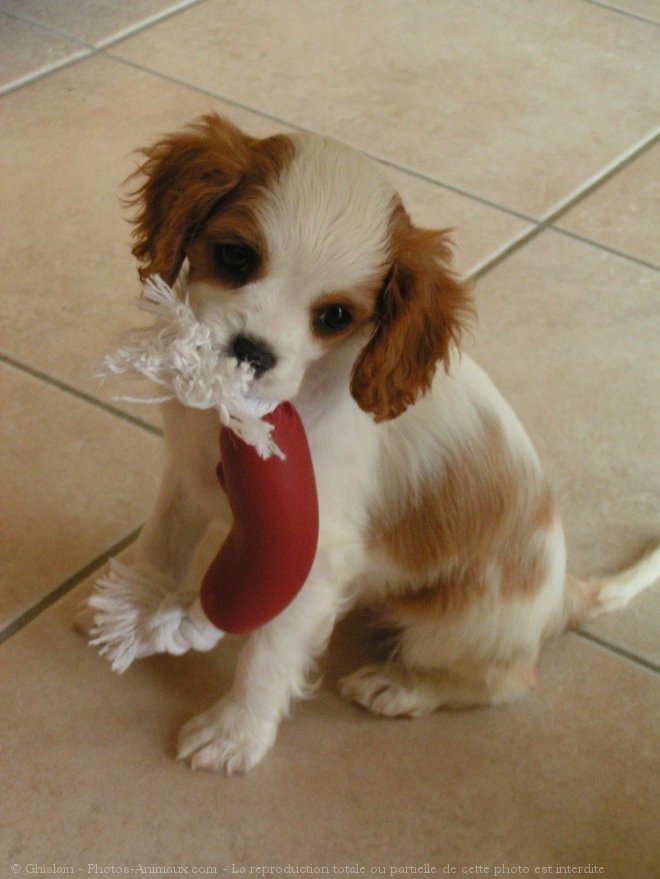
[420, 314]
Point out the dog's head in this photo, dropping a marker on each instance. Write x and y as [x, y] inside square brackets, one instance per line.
[296, 245]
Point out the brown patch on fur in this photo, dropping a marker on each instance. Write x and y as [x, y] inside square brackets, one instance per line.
[189, 176]
[470, 530]
[419, 315]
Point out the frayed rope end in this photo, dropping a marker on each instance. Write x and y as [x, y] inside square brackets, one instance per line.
[179, 355]
[138, 615]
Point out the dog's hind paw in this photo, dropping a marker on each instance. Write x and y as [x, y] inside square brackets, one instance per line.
[386, 690]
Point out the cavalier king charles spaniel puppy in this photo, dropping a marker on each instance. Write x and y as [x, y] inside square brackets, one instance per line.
[434, 510]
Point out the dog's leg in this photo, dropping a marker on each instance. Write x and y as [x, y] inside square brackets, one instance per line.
[273, 670]
[144, 605]
[171, 534]
[189, 495]
[392, 690]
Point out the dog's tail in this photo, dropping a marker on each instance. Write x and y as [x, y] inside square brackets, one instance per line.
[587, 599]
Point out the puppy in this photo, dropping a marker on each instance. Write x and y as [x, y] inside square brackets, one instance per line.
[434, 509]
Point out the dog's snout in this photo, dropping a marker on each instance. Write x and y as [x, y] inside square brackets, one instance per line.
[258, 355]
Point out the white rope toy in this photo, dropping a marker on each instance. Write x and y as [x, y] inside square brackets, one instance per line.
[178, 354]
[139, 613]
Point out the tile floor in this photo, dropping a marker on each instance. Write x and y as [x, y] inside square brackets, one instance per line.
[530, 127]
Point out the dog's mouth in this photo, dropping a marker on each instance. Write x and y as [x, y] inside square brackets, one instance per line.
[251, 390]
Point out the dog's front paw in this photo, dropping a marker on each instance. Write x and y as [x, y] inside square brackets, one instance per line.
[227, 738]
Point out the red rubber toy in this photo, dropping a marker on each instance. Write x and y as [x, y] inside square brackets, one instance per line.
[265, 560]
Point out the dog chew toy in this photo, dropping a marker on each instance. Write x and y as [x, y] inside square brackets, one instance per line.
[266, 471]
[270, 549]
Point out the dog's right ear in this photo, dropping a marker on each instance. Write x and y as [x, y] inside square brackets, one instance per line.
[185, 177]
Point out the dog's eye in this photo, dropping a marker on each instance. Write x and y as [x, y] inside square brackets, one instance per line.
[333, 319]
[236, 260]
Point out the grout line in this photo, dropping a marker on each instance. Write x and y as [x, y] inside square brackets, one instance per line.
[207, 92]
[128, 31]
[451, 187]
[589, 242]
[625, 12]
[503, 253]
[619, 651]
[52, 31]
[35, 75]
[87, 50]
[547, 221]
[79, 395]
[146, 23]
[491, 262]
[50, 599]
[600, 177]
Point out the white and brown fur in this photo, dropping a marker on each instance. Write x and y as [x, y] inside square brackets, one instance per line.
[433, 504]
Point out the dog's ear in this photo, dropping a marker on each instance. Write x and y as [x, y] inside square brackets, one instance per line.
[420, 313]
[185, 176]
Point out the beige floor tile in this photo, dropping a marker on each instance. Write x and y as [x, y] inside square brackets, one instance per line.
[564, 777]
[26, 51]
[543, 103]
[578, 362]
[74, 483]
[624, 213]
[92, 22]
[66, 245]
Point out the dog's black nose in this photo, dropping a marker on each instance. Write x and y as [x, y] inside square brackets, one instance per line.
[248, 350]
